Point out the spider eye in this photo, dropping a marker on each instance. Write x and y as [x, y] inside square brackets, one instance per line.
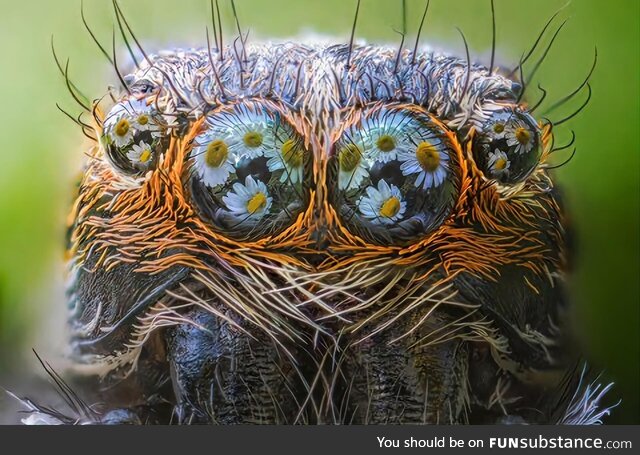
[507, 149]
[134, 135]
[395, 175]
[248, 171]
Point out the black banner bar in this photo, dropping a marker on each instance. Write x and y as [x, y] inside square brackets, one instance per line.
[324, 440]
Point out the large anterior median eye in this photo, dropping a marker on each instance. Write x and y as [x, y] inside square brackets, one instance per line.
[248, 171]
[507, 147]
[395, 174]
[134, 134]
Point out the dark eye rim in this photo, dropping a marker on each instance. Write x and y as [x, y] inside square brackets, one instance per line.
[457, 169]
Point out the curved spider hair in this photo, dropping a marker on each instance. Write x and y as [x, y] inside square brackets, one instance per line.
[323, 233]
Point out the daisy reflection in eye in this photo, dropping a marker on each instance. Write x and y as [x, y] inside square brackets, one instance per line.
[255, 139]
[140, 155]
[290, 157]
[352, 167]
[145, 122]
[383, 205]
[429, 161]
[248, 135]
[249, 201]
[139, 112]
[384, 136]
[496, 129]
[129, 117]
[122, 132]
[213, 160]
[520, 136]
[498, 163]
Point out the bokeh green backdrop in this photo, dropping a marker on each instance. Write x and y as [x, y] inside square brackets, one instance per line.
[40, 149]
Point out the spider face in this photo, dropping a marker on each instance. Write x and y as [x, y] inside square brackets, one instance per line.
[389, 211]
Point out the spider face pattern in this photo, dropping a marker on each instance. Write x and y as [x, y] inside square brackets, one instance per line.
[311, 233]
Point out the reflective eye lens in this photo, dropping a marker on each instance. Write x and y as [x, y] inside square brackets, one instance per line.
[248, 171]
[507, 149]
[133, 136]
[395, 174]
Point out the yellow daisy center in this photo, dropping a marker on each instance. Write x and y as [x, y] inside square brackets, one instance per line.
[523, 136]
[145, 156]
[498, 128]
[216, 154]
[122, 127]
[349, 158]
[386, 143]
[292, 154]
[257, 202]
[390, 207]
[252, 139]
[143, 119]
[500, 164]
[428, 156]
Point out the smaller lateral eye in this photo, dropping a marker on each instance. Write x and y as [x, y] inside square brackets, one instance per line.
[134, 135]
[507, 148]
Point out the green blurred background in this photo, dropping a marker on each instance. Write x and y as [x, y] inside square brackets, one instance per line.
[41, 151]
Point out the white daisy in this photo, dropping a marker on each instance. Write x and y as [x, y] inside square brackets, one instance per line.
[289, 157]
[122, 132]
[384, 136]
[248, 134]
[429, 161]
[141, 155]
[213, 160]
[143, 118]
[383, 205]
[147, 122]
[256, 138]
[498, 163]
[520, 136]
[126, 118]
[352, 167]
[496, 129]
[248, 201]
